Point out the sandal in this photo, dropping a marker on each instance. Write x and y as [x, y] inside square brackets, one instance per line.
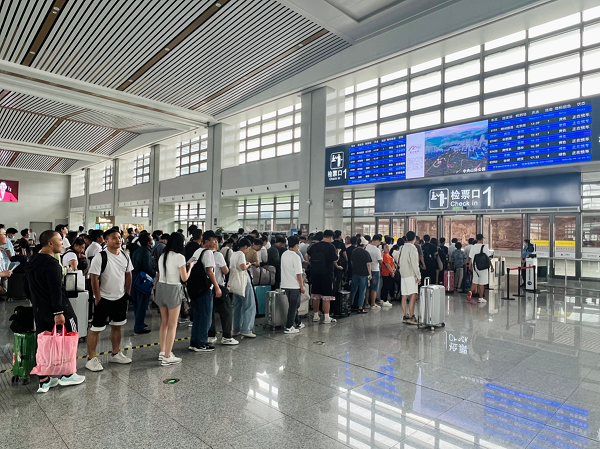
[361, 311]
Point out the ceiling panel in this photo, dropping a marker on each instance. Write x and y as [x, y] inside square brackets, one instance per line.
[5, 157]
[115, 143]
[23, 126]
[63, 165]
[78, 136]
[38, 105]
[226, 47]
[34, 161]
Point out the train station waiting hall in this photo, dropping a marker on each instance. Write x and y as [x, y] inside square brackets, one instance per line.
[300, 224]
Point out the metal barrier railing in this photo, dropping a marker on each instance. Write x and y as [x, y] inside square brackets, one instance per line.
[565, 261]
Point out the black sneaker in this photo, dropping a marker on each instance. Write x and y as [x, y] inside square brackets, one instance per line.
[405, 319]
[142, 332]
[202, 348]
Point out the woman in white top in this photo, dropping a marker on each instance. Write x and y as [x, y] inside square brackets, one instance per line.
[169, 294]
[240, 285]
[74, 256]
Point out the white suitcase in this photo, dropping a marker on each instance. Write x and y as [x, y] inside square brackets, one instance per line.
[303, 309]
[80, 305]
[432, 302]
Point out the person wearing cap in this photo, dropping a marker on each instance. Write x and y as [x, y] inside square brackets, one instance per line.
[360, 260]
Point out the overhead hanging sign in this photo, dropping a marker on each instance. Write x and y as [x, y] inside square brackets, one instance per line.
[518, 193]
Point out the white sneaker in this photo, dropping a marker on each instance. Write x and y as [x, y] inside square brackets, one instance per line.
[291, 330]
[249, 334]
[481, 301]
[212, 340]
[166, 361]
[94, 365]
[316, 317]
[161, 355]
[329, 320]
[120, 358]
[375, 307]
[386, 304]
[301, 326]
[229, 341]
[73, 379]
[44, 388]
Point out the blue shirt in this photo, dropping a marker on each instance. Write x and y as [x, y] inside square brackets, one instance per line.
[7, 246]
[458, 258]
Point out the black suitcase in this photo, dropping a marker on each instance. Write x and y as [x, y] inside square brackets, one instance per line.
[341, 307]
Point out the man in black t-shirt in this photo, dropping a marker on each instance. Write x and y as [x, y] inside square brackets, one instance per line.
[361, 274]
[340, 271]
[429, 253]
[349, 250]
[322, 257]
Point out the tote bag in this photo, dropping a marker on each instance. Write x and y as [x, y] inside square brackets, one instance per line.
[236, 283]
[57, 353]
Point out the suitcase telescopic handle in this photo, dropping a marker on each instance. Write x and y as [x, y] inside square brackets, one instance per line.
[426, 281]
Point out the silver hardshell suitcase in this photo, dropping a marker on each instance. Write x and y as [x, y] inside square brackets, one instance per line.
[80, 306]
[277, 308]
[432, 301]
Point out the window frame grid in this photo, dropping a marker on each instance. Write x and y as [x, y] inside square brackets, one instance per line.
[200, 163]
[143, 166]
[107, 178]
[274, 202]
[351, 93]
[245, 126]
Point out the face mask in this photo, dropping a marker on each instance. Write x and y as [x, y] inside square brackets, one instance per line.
[153, 243]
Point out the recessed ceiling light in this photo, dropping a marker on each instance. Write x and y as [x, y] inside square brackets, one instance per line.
[131, 81]
[166, 48]
[56, 8]
[300, 45]
[32, 52]
[218, 5]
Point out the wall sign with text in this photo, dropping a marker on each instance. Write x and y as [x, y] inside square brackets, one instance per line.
[565, 133]
[517, 193]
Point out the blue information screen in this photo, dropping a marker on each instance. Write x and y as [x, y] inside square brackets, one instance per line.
[558, 134]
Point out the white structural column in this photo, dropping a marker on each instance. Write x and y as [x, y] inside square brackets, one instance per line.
[86, 195]
[153, 209]
[312, 178]
[115, 187]
[213, 195]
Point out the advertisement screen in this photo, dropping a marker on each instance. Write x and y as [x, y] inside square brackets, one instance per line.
[558, 134]
[9, 191]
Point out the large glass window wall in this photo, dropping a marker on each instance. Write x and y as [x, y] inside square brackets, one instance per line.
[556, 61]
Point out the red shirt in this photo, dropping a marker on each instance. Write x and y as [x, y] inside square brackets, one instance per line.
[390, 261]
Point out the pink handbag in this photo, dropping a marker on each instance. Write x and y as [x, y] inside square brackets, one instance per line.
[56, 353]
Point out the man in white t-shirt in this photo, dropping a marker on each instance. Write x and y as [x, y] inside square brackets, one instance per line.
[292, 283]
[480, 276]
[222, 305]
[110, 276]
[203, 306]
[376, 259]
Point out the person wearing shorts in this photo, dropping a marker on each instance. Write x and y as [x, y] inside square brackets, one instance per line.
[410, 274]
[111, 286]
[322, 256]
[481, 278]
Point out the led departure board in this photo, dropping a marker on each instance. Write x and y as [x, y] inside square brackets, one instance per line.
[560, 134]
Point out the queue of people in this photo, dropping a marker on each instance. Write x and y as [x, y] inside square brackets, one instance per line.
[209, 274]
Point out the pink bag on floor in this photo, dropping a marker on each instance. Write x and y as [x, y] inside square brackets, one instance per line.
[56, 353]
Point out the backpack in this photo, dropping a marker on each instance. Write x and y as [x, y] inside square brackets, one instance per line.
[428, 255]
[481, 260]
[530, 248]
[198, 283]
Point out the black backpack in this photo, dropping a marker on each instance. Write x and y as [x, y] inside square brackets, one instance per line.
[530, 248]
[104, 258]
[481, 260]
[198, 283]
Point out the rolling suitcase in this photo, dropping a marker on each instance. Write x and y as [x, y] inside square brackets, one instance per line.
[432, 310]
[277, 308]
[303, 309]
[23, 356]
[449, 280]
[261, 292]
[80, 306]
[342, 306]
[467, 278]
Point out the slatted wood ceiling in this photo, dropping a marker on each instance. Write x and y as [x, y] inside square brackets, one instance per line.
[107, 42]
[35, 161]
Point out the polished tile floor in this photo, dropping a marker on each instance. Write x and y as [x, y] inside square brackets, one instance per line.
[523, 373]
